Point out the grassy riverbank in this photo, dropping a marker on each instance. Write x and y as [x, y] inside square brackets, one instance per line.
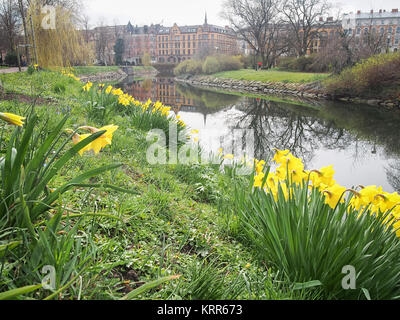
[271, 76]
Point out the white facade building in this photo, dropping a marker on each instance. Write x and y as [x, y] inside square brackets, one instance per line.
[383, 23]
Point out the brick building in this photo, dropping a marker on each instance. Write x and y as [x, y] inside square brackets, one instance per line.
[324, 31]
[176, 44]
[163, 44]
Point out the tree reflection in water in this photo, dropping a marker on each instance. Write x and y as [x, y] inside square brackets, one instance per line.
[280, 125]
[393, 175]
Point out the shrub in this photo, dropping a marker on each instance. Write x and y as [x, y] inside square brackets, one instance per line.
[376, 76]
[192, 67]
[11, 59]
[302, 64]
[228, 63]
[285, 63]
[30, 70]
[211, 65]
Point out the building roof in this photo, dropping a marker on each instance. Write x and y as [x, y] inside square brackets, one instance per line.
[374, 15]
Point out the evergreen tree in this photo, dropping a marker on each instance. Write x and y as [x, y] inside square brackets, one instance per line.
[119, 51]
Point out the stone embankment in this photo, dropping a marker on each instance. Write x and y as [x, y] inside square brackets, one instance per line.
[104, 77]
[312, 90]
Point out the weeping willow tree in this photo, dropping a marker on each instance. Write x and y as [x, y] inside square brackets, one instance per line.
[59, 42]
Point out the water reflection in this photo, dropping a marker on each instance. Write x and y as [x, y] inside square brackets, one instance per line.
[360, 141]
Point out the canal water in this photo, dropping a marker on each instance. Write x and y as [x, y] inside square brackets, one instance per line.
[361, 142]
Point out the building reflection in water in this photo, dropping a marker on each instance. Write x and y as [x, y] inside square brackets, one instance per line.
[178, 97]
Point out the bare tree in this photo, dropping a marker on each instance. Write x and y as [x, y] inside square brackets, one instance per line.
[256, 22]
[303, 22]
[349, 46]
[102, 41]
[9, 21]
[85, 24]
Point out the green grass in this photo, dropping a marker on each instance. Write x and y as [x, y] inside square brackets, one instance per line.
[143, 68]
[271, 76]
[91, 70]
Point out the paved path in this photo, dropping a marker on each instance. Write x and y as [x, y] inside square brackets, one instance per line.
[11, 70]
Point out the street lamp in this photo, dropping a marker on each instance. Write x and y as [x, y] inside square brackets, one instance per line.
[389, 37]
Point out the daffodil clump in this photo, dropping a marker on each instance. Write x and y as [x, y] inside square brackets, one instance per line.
[69, 73]
[290, 173]
[116, 97]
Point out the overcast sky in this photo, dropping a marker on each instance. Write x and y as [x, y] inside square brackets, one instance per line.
[186, 12]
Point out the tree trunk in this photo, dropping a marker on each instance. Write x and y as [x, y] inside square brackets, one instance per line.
[22, 11]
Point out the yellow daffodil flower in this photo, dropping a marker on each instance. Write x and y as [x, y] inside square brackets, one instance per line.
[258, 179]
[333, 194]
[12, 118]
[100, 142]
[87, 87]
[109, 89]
[280, 155]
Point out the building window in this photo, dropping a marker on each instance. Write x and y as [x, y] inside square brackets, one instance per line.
[390, 30]
[358, 31]
[398, 30]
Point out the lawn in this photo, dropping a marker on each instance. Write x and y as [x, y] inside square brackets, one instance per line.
[91, 70]
[143, 68]
[271, 76]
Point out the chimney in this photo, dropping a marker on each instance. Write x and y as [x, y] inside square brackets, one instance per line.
[330, 19]
[321, 19]
[372, 11]
[359, 12]
[380, 10]
[395, 10]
